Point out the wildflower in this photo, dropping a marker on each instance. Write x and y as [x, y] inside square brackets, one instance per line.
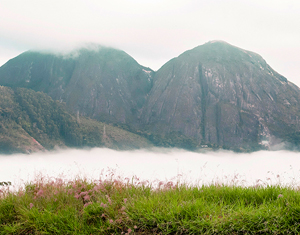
[86, 197]
[123, 208]
[97, 188]
[86, 204]
[31, 205]
[111, 221]
[103, 205]
[135, 227]
[102, 187]
[125, 200]
[129, 230]
[40, 192]
[280, 195]
[108, 198]
[77, 196]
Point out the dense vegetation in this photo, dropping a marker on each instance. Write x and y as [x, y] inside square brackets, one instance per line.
[26, 114]
[128, 206]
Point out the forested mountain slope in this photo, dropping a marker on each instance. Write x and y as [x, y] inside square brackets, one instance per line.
[32, 121]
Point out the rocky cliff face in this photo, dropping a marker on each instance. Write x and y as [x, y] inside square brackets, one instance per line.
[222, 95]
[101, 83]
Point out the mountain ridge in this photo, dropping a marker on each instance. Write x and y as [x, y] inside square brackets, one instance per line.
[215, 94]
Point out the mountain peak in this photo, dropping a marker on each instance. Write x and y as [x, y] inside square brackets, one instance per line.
[217, 41]
[217, 46]
[221, 95]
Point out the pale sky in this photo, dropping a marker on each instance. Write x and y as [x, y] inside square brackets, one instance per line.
[155, 31]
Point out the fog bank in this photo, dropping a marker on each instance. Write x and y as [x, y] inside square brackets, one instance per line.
[278, 167]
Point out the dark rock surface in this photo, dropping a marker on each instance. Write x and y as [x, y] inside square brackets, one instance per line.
[222, 95]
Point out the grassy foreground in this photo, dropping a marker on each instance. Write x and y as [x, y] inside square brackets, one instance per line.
[129, 206]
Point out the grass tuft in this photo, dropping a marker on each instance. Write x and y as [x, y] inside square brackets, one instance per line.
[124, 206]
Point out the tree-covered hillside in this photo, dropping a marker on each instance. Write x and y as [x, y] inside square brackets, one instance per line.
[31, 121]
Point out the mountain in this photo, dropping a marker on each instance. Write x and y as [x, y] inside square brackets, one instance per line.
[215, 95]
[223, 96]
[31, 121]
[13, 138]
[97, 82]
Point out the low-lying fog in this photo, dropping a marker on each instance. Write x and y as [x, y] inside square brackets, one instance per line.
[157, 165]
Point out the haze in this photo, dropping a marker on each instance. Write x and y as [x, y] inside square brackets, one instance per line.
[154, 31]
[263, 168]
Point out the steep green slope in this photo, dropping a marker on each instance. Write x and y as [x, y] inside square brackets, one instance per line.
[32, 121]
[13, 137]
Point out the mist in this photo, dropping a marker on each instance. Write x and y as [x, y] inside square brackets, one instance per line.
[223, 167]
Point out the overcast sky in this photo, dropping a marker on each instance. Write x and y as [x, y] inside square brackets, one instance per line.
[154, 31]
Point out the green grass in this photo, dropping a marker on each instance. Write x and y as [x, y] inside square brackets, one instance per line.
[128, 206]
